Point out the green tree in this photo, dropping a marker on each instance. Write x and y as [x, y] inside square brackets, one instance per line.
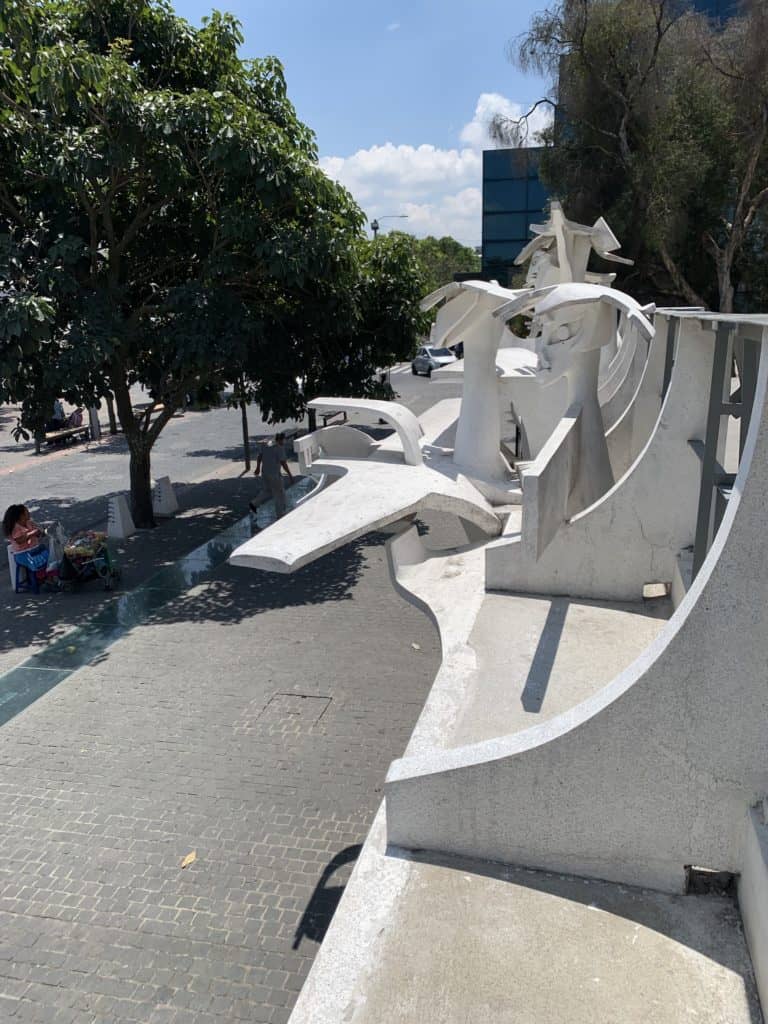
[163, 220]
[441, 258]
[336, 332]
[661, 120]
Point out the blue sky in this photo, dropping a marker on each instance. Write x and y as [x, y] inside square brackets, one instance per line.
[398, 94]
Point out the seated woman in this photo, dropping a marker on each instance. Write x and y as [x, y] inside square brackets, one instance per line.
[59, 418]
[21, 530]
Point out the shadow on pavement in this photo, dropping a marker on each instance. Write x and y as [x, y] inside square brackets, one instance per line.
[235, 594]
[207, 508]
[150, 560]
[322, 905]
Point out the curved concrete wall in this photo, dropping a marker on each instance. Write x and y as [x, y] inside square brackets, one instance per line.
[654, 772]
[633, 534]
[630, 432]
[620, 386]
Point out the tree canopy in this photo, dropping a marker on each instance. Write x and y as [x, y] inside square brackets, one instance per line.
[441, 258]
[164, 220]
[661, 121]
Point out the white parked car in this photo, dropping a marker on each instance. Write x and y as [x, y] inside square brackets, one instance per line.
[429, 358]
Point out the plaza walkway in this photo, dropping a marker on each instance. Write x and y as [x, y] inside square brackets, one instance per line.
[245, 718]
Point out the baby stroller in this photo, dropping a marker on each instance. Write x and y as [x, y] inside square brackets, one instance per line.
[87, 557]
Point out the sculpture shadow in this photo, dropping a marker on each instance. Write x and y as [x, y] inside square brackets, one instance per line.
[543, 661]
[234, 453]
[325, 898]
[233, 594]
[662, 913]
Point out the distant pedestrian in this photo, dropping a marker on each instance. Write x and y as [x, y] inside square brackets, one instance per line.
[271, 459]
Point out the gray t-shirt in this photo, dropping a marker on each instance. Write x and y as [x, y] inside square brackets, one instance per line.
[271, 457]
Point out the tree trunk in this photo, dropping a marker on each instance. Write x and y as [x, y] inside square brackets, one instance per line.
[246, 438]
[725, 288]
[141, 486]
[140, 448]
[312, 417]
[111, 414]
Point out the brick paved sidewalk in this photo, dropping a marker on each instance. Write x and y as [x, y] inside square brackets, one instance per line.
[252, 720]
[29, 622]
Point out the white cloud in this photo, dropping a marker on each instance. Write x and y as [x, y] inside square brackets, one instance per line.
[456, 215]
[492, 104]
[393, 26]
[439, 189]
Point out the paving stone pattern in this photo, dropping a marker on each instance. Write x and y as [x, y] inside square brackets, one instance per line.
[251, 721]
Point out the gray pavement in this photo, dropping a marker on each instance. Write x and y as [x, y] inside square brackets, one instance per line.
[201, 452]
[30, 622]
[250, 720]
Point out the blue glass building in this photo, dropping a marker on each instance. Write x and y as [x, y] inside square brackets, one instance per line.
[513, 197]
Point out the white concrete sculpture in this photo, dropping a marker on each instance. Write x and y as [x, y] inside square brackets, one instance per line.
[467, 316]
[560, 250]
[576, 321]
[571, 728]
[635, 532]
[373, 485]
[559, 254]
[373, 490]
[656, 770]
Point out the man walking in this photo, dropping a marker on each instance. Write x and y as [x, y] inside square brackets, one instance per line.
[271, 458]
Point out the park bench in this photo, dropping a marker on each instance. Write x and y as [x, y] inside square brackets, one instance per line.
[66, 434]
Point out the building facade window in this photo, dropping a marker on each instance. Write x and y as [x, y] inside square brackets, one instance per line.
[513, 198]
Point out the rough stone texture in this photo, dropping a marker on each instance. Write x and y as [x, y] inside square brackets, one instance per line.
[243, 722]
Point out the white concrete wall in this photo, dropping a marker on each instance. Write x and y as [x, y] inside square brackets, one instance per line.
[633, 534]
[538, 411]
[656, 770]
[547, 484]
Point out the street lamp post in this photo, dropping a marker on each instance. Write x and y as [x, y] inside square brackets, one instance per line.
[387, 216]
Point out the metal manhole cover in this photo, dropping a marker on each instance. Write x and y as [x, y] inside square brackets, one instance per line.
[295, 708]
[283, 713]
